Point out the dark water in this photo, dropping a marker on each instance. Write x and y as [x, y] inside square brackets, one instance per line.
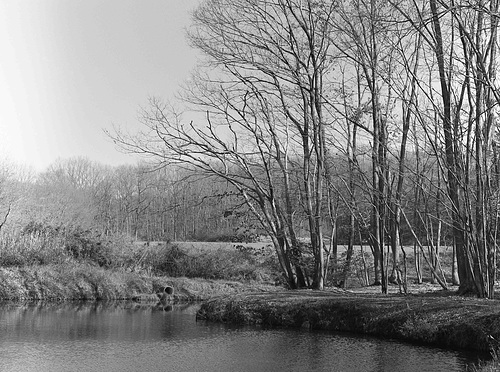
[127, 337]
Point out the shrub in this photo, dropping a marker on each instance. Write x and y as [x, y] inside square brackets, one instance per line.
[86, 245]
[233, 264]
[30, 248]
[39, 244]
[230, 236]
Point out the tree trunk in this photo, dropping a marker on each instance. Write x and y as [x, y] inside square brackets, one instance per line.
[464, 265]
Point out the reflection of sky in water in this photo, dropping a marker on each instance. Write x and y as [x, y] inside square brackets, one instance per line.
[123, 337]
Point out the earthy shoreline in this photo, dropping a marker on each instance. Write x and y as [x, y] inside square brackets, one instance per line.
[445, 321]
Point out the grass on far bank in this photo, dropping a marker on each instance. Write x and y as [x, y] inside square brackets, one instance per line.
[245, 262]
[50, 264]
[83, 282]
[49, 246]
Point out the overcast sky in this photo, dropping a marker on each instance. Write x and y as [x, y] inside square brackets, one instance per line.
[69, 68]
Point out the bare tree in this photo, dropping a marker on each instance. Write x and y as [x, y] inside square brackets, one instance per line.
[265, 115]
[463, 40]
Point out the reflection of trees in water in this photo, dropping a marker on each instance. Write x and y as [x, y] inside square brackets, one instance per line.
[138, 331]
[99, 321]
[324, 351]
[394, 356]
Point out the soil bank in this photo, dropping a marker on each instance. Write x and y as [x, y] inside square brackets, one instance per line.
[444, 321]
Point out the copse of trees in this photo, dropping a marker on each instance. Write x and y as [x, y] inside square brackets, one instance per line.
[382, 114]
[52, 219]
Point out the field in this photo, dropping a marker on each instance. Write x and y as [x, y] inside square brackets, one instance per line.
[357, 276]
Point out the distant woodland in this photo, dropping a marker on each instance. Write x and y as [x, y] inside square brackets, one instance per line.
[139, 201]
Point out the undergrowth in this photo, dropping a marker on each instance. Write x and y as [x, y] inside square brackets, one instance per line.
[232, 264]
[45, 245]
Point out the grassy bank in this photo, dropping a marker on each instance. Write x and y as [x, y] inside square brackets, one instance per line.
[45, 263]
[444, 321]
[57, 265]
[91, 283]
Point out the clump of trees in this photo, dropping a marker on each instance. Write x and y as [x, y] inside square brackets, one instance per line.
[380, 115]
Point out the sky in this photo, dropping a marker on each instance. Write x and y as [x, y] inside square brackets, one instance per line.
[69, 69]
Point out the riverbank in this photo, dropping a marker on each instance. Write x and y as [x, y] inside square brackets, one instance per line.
[85, 282]
[433, 319]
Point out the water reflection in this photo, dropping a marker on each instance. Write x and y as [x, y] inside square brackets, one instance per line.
[132, 337]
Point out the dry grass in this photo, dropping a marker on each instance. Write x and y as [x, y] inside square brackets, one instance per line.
[446, 321]
[355, 276]
[91, 283]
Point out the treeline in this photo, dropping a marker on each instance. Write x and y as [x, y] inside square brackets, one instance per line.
[137, 201]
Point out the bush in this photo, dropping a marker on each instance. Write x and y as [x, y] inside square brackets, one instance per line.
[232, 236]
[39, 244]
[171, 260]
[24, 249]
[85, 245]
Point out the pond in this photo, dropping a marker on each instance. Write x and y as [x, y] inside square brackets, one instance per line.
[124, 336]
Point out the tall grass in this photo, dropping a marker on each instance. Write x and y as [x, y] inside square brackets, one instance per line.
[228, 264]
[81, 265]
[492, 365]
[50, 246]
[20, 249]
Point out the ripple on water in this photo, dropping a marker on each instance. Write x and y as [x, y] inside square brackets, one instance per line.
[127, 338]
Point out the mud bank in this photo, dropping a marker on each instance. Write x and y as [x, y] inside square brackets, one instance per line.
[445, 321]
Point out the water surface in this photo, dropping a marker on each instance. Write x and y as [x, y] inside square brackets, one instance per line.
[128, 337]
